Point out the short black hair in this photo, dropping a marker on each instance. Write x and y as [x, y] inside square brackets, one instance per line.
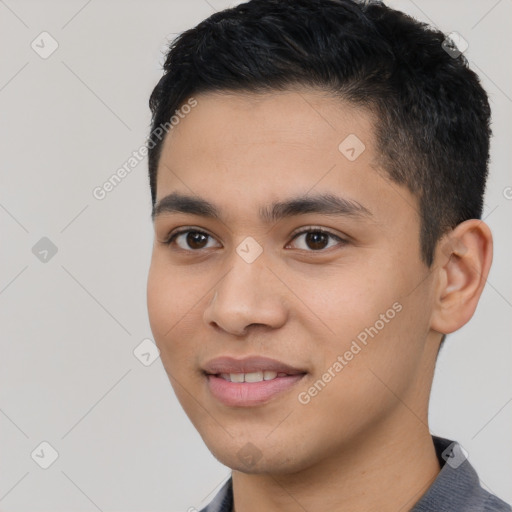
[432, 115]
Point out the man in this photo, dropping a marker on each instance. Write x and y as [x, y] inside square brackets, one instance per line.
[317, 171]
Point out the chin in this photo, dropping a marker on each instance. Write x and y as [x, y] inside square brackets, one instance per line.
[257, 457]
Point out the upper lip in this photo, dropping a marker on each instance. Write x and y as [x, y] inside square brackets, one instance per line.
[227, 364]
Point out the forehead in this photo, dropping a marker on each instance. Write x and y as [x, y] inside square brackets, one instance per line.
[309, 118]
[251, 149]
[268, 132]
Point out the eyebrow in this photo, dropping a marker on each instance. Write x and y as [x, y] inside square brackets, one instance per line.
[327, 204]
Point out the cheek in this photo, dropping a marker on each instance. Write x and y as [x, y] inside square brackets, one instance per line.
[171, 295]
[169, 314]
[170, 304]
[160, 298]
[346, 300]
[372, 320]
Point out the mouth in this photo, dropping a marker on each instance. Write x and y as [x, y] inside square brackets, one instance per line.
[251, 381]
[252, 376]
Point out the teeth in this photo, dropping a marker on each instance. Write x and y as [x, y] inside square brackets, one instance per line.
[252, 376]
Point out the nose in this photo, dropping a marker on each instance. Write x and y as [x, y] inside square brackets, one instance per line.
[248, 294]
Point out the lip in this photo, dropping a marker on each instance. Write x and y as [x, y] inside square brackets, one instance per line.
[249, 394]
[227, 364]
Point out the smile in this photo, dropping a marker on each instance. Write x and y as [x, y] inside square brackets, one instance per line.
[252, 376]
[250, 389]
[250, 381]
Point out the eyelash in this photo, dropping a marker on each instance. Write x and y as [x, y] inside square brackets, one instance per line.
[310, 229]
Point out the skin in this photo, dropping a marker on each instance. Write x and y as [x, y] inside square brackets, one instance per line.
[363, 442]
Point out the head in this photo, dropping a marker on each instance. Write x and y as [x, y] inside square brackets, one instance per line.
[345, 117]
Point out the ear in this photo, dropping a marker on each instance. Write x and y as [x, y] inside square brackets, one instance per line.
[463, 258]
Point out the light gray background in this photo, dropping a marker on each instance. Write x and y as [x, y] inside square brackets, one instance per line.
[70, 325]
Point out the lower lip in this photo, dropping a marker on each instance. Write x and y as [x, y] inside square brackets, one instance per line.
[246, 394]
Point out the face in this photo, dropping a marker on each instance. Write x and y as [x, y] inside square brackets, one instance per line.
[306, 254]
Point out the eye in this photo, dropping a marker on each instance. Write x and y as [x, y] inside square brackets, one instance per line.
[190, 239]
[317, 239]
[314, 240]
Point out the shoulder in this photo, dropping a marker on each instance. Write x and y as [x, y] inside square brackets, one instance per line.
[457, 486]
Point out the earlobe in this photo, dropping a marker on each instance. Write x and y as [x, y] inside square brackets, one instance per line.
[463, 259]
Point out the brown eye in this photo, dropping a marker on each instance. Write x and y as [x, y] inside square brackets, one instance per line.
[316, 240]
[196, 240]
[190, 240]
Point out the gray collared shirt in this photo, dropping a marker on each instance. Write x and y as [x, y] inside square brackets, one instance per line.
[455, 489]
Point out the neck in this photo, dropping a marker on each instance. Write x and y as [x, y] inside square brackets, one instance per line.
[375, 473]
